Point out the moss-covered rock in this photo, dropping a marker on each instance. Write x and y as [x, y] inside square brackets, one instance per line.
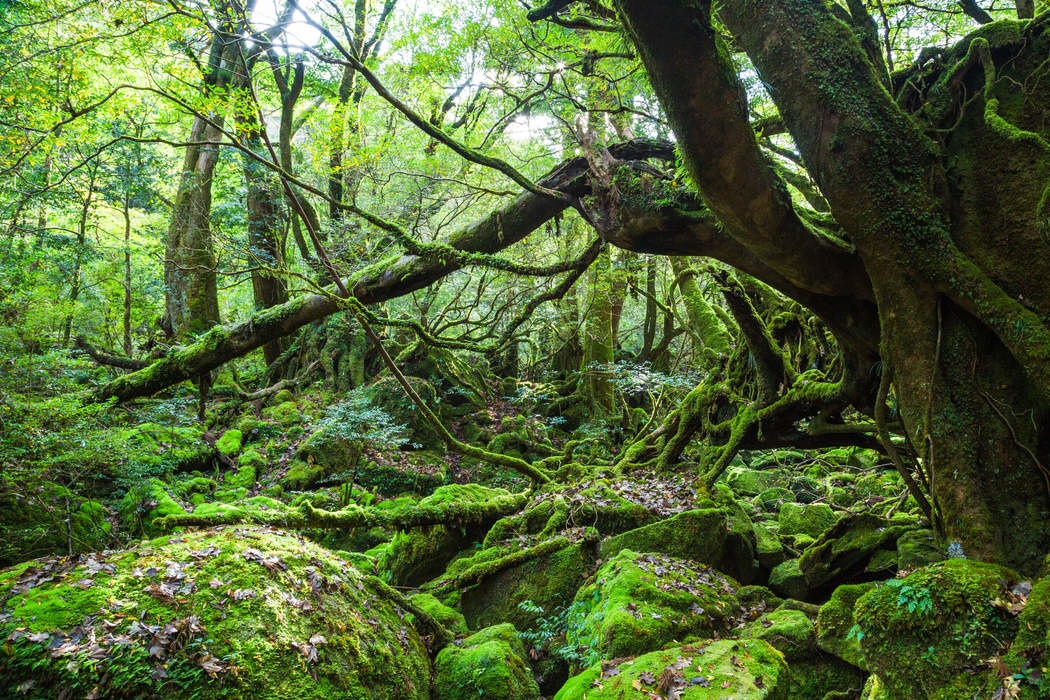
[788, 580]
[418, 555]
[845, 550]
[930, 630]
[772, 499]
[550, 581]
[302, 475]
[450, 618]
[918, 548]
[806, 519]
[285, 413]
[489, 664]
[811, 672]
[145, 503]
[329, 449]
[230, 442]
[696, 535]
[749, 482]
[226, 613]
[741, 558]
[836, 633]
[636, 603]
[738, 669]
[1027, 660]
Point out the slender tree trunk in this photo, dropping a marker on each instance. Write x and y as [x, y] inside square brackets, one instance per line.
[126, 211]
[76, 277]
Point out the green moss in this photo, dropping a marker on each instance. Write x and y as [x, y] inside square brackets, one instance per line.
[281, 397]
[739, 669]
[921, 632]
[847, 547]
[787, 579]
[302, 475]
[810, 519]
[550, 581]
[489, 664]
[285, 413]
[450, 618]
[49, 518]
[241, 612]
[835, 629]
[639, 602]
[749, 482]
[697, 535]
[418, 555]
[811, 673]
[772, 499]
[230, 442]
[142, 505]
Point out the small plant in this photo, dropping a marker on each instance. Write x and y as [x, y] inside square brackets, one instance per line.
[356, 418]
[547, 635]
[955, 551]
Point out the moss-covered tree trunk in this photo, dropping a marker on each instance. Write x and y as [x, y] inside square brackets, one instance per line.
[942, 189]
[191, 288]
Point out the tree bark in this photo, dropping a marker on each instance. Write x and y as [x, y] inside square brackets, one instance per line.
[962, 318]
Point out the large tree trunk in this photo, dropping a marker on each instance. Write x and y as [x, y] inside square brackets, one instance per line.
[191, 299]
[951, 234]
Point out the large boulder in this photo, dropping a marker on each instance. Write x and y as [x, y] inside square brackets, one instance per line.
[221, 613]
[930, 634]
[489, 664]
[739, 669]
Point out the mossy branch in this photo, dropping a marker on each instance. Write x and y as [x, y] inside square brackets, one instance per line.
[352, 516]
[483, 570]
[424, 621]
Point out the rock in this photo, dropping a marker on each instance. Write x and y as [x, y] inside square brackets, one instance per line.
[450, 618]
[925, 634]
[636, 603]
[220, 613]
[728, 668]
[749, 482]
[230, 442]
[810, 519]
[811, 672]
[549, 581]
[788, 580]
[697, 535]
[418, 555]
[773, 498]
[844, 551]
[836, 633]
[918, 548]
[489, 664]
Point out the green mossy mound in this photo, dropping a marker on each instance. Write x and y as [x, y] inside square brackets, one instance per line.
[489, 664]
[806, 519]
[738, 669]
[845, 550]
[224, 613]
[811, 672]
[836, 633]
[697, 535]
[928, 635]
[549, 580]
[636, 603]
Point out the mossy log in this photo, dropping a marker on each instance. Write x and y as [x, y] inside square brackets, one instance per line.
[306, 515]
[386, 279]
